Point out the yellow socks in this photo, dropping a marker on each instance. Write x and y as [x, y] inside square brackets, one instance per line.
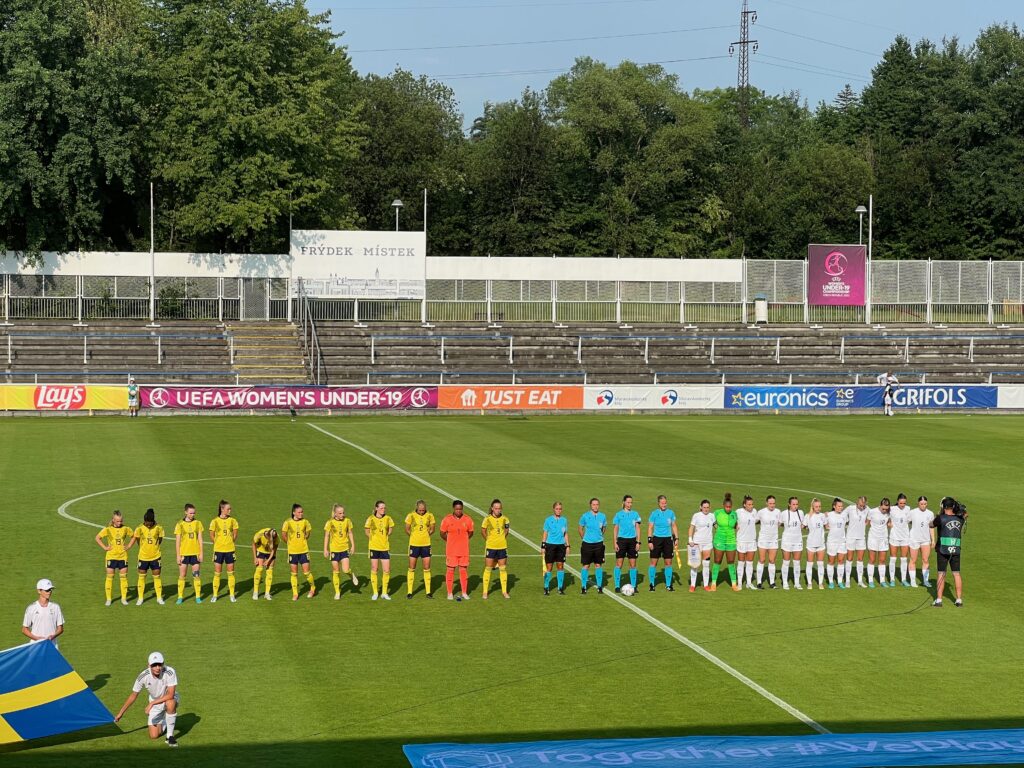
[384, 582]
[140, 586]
[503, 575]
[269, 578]
[336, 579]
[426, 581]
[311, 581]
[257, 579]
[373, 581]
[487, 580]
[216, 583]
[410, 580]
[124, 587]
[108, 587]
[181, 589]
[295, 585]
[158, 587]
[197, 585]
[231, 583]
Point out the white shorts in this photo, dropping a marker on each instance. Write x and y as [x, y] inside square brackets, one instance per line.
[745, 547]
[158, 714]
[767, 543]
[704, 545]
[878, 544]
[899, 541]
[917, 542]
[792, 546]
[815, 548]
[855, 544]
[836, 547]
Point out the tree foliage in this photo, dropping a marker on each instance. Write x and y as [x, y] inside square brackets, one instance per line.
[247, 115]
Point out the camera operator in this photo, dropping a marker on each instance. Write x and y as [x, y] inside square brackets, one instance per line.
[950, 524]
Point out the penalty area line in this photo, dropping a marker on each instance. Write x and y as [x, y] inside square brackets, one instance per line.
[699, 650]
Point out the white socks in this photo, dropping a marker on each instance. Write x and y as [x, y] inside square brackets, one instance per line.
[760, 571]
[785, 574]
[903, 568]
[892, 568]
[693, 577]
[831, 570]
[750, 574]
[860, 572]
[171, 720]
[707, 572]
[821, 572]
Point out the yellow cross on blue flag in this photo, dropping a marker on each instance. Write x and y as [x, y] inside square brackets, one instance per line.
[41, 695]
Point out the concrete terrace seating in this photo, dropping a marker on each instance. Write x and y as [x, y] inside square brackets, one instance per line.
[407, 353]
[108, 351]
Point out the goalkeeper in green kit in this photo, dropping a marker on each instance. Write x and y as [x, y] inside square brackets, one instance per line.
[725, 542]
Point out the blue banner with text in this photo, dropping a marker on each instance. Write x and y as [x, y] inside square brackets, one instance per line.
[911, 396]
[860, 750]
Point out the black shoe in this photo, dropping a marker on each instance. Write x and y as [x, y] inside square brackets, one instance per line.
[546, 591]
[408, 597]
[771, 586]
[561, 591]
[959, 603]
[937, 604]
[760, 585]
[650, 587]
[617, 589]
[583, 591]
[670, 588]
[171, 741]
[600, 590]
[429, 596]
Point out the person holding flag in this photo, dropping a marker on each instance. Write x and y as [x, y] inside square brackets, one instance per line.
[662, 536]
[150, 536]
[223, 532]
[420, 525]
[378, 528]
[591, 527]
[456, 531]
[496, 527]
[339, 541]
[626, 533]
[554, 544]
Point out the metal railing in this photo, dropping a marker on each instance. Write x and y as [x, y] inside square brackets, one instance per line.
[84, 337]
[311, 352]
[61, 377]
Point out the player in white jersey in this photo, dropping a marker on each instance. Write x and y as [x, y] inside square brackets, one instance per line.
[701, 533]
[856, 519]
[878, 542]
[921, 540]
[746, 540]
[792, 541]
[768, 517]
[899, 538]
[814, 522]
[161, 683]
[835, 543]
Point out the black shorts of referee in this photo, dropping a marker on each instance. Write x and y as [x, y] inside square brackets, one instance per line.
[662, 548]
[591, 553]
[626, 549]
[554, 553]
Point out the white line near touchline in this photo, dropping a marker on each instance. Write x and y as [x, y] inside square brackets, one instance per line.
[790, 709]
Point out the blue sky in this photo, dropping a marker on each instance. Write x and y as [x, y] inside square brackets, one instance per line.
[810, 46]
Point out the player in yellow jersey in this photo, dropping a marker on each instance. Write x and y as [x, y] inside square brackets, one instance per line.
[378, 529]
[119, 538]
[339, 542]
[150, 536]
[223, 533]
[295, 533]
[188, 552]
[495, 527]
[420, 527]
[264, 553]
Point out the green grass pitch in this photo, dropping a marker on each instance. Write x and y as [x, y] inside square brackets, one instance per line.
[351, 681]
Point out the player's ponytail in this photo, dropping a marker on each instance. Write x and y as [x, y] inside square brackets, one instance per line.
[747, 497]
[727, 499]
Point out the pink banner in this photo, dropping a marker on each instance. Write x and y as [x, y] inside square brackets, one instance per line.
[284, 397]
[836, 275]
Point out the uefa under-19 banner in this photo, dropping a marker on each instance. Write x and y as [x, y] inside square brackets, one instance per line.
[836, 275]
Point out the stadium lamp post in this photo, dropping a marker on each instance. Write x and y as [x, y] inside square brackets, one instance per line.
[860, 211]
[397, 205]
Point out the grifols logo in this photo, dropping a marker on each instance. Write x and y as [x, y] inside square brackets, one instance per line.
[59, 397]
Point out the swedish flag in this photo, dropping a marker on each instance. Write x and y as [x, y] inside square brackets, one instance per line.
[41, 695]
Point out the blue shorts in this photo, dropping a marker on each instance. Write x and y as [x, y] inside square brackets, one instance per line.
[337, 557]
[265, 559]
[419, 551]
[224, 558]
[302, 559]
[380, 554]
[117, 565]
[496, 554]
[190, 559]
[149, 565]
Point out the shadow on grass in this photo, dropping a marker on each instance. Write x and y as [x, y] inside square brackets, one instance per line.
[315, 750]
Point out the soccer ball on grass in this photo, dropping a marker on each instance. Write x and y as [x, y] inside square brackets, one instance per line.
[627, 590]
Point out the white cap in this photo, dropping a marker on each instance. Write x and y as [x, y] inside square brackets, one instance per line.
[156, 658]
[44, 584]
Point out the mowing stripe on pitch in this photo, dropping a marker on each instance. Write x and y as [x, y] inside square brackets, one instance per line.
[789, 708]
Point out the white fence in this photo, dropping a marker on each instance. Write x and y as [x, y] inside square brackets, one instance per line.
[509, 289]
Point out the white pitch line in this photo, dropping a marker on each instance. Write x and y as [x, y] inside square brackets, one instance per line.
[735, 673]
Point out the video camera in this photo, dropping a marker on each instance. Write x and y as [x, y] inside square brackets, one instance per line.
[948, 502]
